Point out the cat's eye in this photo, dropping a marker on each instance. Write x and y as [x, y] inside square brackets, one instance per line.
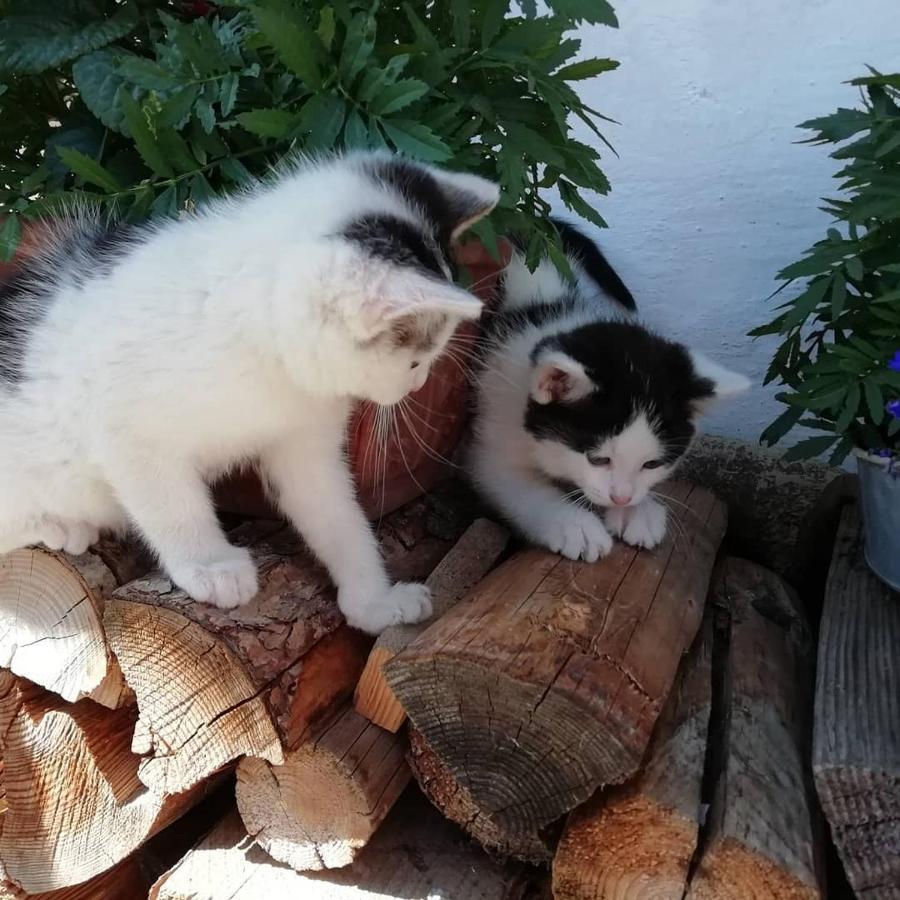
[414, 364]
[599, 460]
[653, 464]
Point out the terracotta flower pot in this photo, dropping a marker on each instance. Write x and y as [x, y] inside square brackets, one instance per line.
[414, 457]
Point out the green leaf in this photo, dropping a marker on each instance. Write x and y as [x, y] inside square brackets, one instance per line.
[811, 447]
[356, 135]
[838, 295]
[166, 204]
[35, 43]
[530, 36]
[396, 96]
[851, 407]
[597, 12]
[97, 79]
[462, 22]
[888, 146]
[146, 73]
[781, 426]
[296, 44]
[236, 171]
[854, 268]
[143, 137]
[574, 201]
[88, 169]
[417, 140]
[274, 123]
[228, 93]
[534, 145]
[839, 454]
[174, 149]
[492, 20]
[376, 138]
[326, 26]
[10, 234]
[803, 305]
[587, 68]
[322, 117]
[358, 46]
[875, 402]
[206, 115]
[176, 109]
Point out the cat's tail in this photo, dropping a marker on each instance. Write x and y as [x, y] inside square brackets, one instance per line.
[593, 274]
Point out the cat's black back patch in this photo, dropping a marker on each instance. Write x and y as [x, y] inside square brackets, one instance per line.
[397, 241]
[633, 371]
[75, 254]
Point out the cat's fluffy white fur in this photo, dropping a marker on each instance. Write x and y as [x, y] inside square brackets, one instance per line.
[557, 437]
[240, 333]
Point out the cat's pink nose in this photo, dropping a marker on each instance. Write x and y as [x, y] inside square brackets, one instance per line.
[620, 500]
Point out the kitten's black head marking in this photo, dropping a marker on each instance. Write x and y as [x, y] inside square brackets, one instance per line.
[396, 240]
[635, 371]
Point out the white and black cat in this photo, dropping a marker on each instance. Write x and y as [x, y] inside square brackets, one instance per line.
[139, 363]
[578, 401]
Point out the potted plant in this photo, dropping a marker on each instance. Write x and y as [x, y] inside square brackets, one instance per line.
[151, 107]
[839, 356]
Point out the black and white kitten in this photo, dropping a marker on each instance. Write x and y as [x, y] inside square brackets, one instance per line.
[576, 399]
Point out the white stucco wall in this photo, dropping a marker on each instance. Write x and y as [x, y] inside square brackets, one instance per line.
[711, 196]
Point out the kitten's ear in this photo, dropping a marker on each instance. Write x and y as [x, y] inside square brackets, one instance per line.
[469, 198]
[714, 382]
[557, 378]
[408, 297]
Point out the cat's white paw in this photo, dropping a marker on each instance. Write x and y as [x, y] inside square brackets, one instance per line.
[225, 583]
[401, 604]
[643, 525]
[70, 535]
[577, 534]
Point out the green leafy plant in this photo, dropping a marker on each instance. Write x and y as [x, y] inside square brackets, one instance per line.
[839, 357]
[151, 108]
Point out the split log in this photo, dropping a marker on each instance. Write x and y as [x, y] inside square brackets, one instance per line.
[462, 568]
[126, 881]
[547, 680]
[74, 804]
[53, 599]
[213, 685]
[761, 840]
[415, 855]
[638, 840]
[323, 803]
[856, 744]
[318, 809]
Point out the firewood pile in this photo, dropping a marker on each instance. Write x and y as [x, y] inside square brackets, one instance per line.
[637, 727]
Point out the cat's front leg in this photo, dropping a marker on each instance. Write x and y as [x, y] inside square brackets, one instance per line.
[309, 476]
[641, 525]
[543, 515]
[170, 504]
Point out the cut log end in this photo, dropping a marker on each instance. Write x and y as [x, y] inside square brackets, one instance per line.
[321, 806]
[374, 698]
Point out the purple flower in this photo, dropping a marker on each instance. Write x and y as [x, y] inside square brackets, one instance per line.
[884, 452]
[893, 407]
[894, 362]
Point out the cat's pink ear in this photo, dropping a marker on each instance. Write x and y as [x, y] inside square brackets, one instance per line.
[557, 378]
[468, 198]
[410, 297]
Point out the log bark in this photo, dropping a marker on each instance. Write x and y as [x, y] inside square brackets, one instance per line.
[322, 805]
[473, 556]
[213, 685]
[74, 804]
[50, 599]
[126, 881]
[547, 680]
[638, 840]
[856, 744]
[761, 838]
[415, 855]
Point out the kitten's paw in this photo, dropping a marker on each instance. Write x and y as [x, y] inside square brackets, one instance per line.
[577, 534]
[225, 583]
[643, 525]
[402, 604]
[70, 535]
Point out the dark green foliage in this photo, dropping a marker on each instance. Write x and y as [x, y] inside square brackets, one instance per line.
[840, 333]
[151, 106]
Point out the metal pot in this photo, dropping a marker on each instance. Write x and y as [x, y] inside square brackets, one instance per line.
[879, 496]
